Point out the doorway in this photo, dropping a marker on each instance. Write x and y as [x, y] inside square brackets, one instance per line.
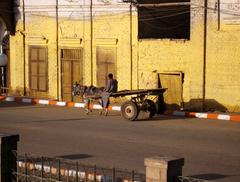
[173, 97]
[71, 60]
[106, 63]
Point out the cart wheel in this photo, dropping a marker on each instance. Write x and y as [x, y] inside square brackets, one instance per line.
[130, 110]
[151, 108]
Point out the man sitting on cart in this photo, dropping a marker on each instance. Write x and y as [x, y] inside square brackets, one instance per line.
[111, 87]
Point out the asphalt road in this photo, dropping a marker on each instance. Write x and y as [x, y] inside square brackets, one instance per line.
[211, 148]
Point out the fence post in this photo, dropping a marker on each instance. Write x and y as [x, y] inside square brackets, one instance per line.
[163, 169]
[8, 160]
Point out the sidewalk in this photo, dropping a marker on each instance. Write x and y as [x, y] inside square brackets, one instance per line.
[219, 116]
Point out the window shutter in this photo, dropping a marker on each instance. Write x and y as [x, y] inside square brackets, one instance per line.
[38, 69]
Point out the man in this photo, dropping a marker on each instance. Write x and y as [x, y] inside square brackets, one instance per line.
[112, 84]
[111, 87]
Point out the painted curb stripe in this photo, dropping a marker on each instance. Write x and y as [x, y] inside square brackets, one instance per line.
[2, 97]
[18, 99]
[70, 104]
[52, 102]
[26, 100]
[10, 99]
[79, 105]
[116, 108]
[223, 117]
[35, 101]
[212, 116]
[61, 104]
[190, 114]
[95, 106]
[201, 115]
[44, 102]
[235, 118]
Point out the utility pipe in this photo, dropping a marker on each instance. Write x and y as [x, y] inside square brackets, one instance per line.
[131, 49]
[57, 52]
[91, 48]
[24, 49]
[219, 16]
[204, 55]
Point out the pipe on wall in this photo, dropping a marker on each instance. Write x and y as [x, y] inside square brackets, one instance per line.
[57, 51]
[131, 49]
[219, 16]
[91, 48]
[24, 48]
[204, 55]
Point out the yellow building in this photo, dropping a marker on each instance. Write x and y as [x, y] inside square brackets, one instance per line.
[190, 47]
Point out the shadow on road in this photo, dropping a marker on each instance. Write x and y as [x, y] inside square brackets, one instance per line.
[13, 104]
[161, 118]
[211, 176]
[75, 156]
[59, 120]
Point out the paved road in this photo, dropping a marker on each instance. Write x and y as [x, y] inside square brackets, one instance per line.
[211, 148]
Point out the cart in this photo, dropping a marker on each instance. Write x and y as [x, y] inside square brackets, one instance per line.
[139, 102]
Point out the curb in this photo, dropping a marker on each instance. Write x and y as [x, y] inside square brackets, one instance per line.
[2, 97]
[56, 103]
[227, 117]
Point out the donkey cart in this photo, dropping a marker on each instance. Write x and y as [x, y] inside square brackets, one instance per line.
[139, 99]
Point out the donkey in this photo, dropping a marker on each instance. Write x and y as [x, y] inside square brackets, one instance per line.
[89, 93]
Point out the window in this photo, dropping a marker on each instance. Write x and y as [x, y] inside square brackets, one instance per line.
[38, 69]
[164, 19]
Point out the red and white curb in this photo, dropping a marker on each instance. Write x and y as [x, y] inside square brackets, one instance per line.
[227, 117]
[56, 103]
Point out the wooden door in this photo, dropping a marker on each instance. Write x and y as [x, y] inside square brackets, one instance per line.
[71, 72]
[106, 63]
[173, 95]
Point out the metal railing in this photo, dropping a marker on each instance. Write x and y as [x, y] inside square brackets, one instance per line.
[45, 169]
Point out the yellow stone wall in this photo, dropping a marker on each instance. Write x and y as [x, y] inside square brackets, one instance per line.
[149, 56]
[223, 65]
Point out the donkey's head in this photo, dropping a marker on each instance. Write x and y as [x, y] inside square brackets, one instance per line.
[78, 90]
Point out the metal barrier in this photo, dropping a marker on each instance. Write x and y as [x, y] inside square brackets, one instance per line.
[44, 169]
